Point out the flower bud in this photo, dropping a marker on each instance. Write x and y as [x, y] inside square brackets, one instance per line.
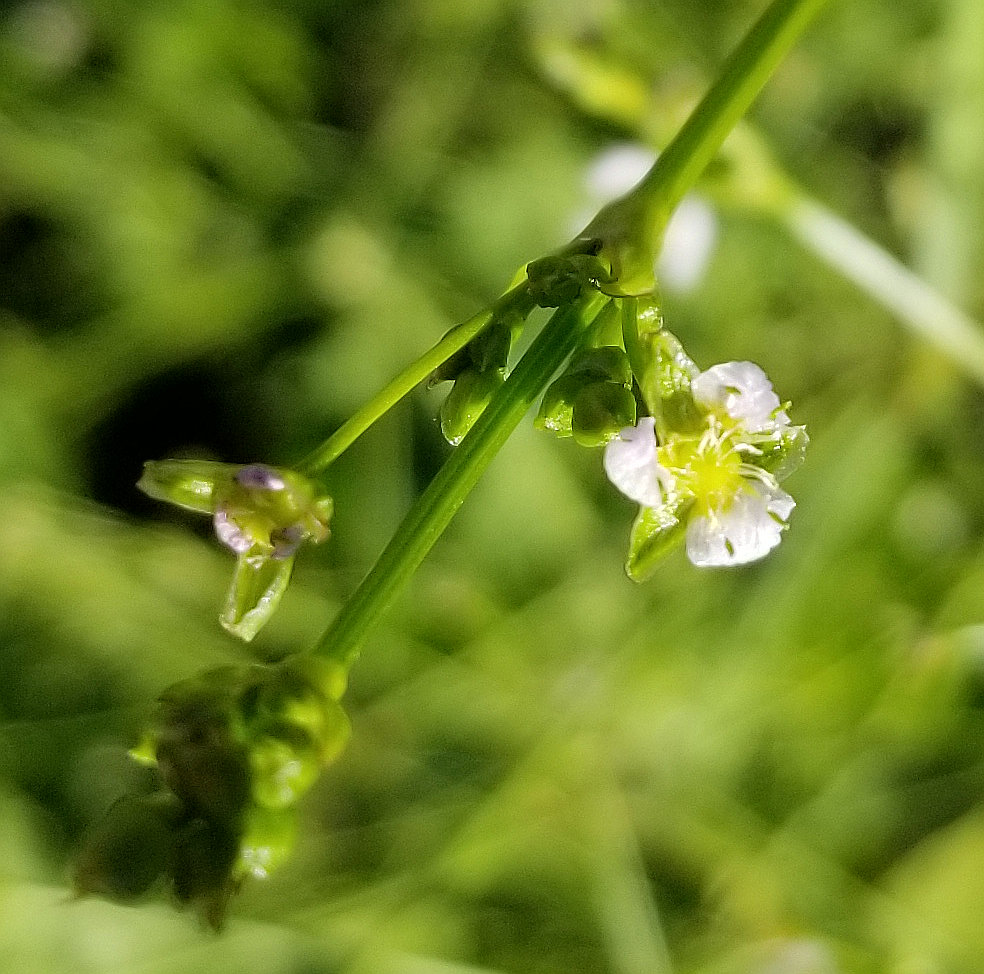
[592, 400]
[466, 401]
[130, 848]
[490, 348]
[284, 763]
[557, 405]
[607, 363]
[600, 410]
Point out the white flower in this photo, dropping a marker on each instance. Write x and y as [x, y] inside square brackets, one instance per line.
[743, 392]
[713, 482]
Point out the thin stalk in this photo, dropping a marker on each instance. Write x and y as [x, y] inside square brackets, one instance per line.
[631, 228]
[627, 232]
[445, 494]
[743, 76]
[456, 339]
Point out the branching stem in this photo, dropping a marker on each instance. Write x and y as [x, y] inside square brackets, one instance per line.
[445, 494]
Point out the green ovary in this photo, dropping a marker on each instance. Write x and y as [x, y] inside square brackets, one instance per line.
[708, 471]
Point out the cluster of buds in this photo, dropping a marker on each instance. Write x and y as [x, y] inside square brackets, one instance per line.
[480, 368]
[234, 749]
[593, 399]
[261, 513]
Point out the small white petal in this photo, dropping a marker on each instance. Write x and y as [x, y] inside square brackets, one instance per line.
[231, 534]
[631, 465]
[780, 503]
[744, 532]
[744, 392]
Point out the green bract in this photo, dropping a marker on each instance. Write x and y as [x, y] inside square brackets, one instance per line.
[262, 513]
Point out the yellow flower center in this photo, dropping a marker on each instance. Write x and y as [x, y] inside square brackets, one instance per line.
[708, 468]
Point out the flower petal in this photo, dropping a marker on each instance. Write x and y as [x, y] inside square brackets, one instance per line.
[748, 529]
[631, 465]
[744, 392]
[230, 533]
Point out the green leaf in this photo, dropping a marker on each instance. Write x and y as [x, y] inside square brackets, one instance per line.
[655, 533]
[257, 587]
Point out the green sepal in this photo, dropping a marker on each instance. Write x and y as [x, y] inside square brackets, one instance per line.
[655, 533]
[190, 484]
[258, 585]
[467, 400]
[600, 411]
[784, 453]
[662, 368]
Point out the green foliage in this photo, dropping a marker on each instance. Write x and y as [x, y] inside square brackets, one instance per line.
[222, 227]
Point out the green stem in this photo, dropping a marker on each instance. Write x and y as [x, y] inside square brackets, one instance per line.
[631, 228]
[628, 233]
[513, 301]
[445, 494]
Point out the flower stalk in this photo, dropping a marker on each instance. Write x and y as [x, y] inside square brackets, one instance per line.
[631, 228]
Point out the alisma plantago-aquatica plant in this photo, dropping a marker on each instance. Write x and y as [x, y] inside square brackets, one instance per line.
[702, 452]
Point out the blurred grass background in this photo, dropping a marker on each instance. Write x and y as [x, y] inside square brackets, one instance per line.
[223, 225]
